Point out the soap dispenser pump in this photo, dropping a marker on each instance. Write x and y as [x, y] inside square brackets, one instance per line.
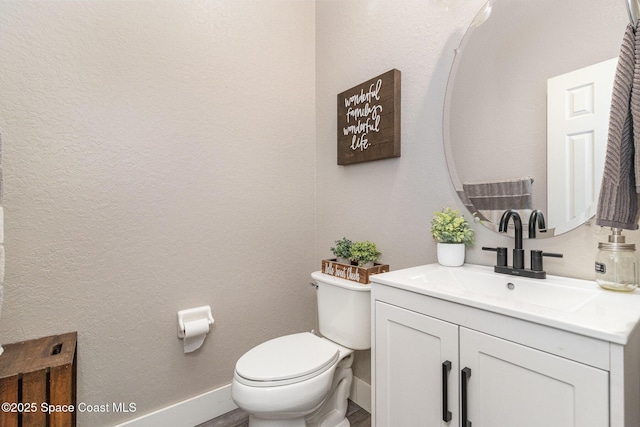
[616, 263]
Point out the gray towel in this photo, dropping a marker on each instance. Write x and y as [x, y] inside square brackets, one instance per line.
[491, 198]
[618, 201]
[500, 195]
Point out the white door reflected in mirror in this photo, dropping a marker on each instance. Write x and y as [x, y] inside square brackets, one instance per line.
[578, 105]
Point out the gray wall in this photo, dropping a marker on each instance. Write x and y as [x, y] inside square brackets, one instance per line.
[158, 156]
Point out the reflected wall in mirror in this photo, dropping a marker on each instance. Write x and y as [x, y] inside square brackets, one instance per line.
[495, 115]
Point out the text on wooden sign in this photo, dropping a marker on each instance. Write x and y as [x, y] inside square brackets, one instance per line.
[369, 120]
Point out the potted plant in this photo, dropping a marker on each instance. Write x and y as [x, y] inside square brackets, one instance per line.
[364, 253]
[453, 234]
[342, 251]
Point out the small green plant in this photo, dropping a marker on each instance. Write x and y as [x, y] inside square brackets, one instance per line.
[342, 249]
[448, 226]
[364, 252]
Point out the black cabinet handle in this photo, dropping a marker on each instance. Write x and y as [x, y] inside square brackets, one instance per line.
[446, 414]
[466, 374]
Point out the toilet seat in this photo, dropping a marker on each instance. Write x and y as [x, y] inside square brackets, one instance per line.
[286, 360]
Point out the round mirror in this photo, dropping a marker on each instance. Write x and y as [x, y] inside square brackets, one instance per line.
[527, 108]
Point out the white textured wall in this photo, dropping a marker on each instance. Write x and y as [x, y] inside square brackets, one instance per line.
[392, 201]
[158, 156]
[389, 201]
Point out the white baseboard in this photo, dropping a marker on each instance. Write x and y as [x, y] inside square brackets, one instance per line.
[190, 412]
[214, 403]
[361, 394]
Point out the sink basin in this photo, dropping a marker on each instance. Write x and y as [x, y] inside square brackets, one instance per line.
[556, 293]
[574, 305]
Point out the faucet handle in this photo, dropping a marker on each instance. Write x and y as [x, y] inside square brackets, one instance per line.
[501, 258]
[551, 254]
[536, 259]
[536, 218]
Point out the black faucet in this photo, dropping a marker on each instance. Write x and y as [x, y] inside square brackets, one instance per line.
[536, 218]
[518, 252]
[518, 269]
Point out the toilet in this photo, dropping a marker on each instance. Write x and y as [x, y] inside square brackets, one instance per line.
[303, 379]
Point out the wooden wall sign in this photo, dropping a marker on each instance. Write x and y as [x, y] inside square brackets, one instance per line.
[369, 120]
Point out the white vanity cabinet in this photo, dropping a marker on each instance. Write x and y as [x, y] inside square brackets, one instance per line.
[442, 363]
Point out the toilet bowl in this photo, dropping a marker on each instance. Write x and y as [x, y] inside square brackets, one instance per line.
[303, 380]
[287, 378]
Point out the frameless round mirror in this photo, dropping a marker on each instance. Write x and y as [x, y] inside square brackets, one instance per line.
[527, 108]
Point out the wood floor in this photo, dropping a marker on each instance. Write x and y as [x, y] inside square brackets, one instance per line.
[357, 417]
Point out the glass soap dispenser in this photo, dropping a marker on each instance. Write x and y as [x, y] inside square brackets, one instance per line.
[616, 264]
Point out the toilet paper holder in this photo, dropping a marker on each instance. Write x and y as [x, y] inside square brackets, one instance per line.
[192, 314]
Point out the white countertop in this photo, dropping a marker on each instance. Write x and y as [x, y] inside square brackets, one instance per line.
[574, 305]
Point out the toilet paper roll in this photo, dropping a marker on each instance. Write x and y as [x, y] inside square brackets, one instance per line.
[195, 332]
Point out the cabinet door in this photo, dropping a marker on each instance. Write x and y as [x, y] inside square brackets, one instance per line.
[416, 360]
[513, 385]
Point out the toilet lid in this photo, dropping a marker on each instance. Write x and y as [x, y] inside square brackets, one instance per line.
[288, 357]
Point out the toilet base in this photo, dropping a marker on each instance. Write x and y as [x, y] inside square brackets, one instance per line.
[261, 422]
[297, 422]
[331, 413]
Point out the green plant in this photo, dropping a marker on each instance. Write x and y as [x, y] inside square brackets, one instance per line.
[364, 252]
[342, 249]
[448, 226]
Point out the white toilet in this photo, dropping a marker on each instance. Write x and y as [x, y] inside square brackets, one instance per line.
[302, 380]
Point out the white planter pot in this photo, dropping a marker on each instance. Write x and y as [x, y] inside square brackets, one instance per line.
[451, 254]
[341, 260]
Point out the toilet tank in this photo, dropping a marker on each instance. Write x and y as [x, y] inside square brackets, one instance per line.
[344, 311]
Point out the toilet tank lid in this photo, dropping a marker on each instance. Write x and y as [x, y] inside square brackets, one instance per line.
[287, 357]
[319, 276]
